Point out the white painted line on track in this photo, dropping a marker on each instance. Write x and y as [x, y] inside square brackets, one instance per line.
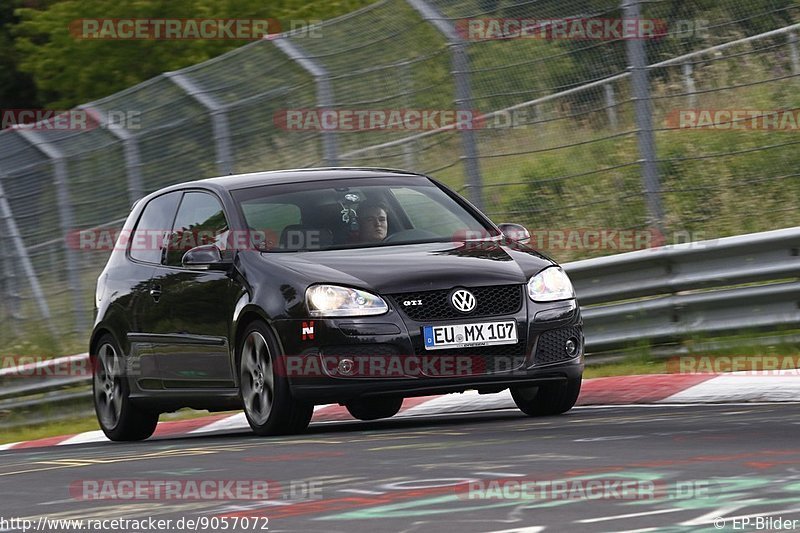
[501, 474]
[87, 437]
[467, 401]
[629, 515]
[776, 514]
[645, 530]
[231, 423]
[682, 404]
[740, 388]
[528, 529]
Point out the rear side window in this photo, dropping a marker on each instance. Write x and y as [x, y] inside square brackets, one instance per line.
[200, 221]
[148, 240]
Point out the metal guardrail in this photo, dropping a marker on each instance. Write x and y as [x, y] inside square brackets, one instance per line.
[748, 282]
[45, 391]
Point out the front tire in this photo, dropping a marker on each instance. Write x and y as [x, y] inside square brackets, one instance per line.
[547, 399]
[375, 408]
[268, 404]
[119, 419]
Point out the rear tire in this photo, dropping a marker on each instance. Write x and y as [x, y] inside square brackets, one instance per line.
[547, 399]
[264, 390]
[118, 417]
[375, 408]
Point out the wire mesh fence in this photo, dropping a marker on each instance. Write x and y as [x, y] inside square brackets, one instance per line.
[598, 140]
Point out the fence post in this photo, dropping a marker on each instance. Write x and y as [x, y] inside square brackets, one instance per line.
[219, 119]
[643, 108]
[463, 92]
[17, 244]
[793, 53]
[130, 147]
[611, 106]
[10, 292]
[324, 92]
[688, 80]
[407, 81]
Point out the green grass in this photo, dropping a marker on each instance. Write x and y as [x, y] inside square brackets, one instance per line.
[627, 367]
[52, 429]
[643, 359]
[72, 426]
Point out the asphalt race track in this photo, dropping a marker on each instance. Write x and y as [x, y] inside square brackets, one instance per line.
[659, 468]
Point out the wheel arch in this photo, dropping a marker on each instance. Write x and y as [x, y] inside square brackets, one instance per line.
[99, 332]
[248, 315]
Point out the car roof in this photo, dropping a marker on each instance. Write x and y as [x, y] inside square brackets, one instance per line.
[278, 177]
[275, 177]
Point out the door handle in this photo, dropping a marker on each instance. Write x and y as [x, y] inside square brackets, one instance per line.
[155, 292]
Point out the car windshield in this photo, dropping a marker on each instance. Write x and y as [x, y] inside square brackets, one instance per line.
[355, 213]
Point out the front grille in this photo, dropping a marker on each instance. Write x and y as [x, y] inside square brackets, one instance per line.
[491, 301]
[550, 348]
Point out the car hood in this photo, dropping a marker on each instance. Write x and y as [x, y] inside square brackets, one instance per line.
[417, 267]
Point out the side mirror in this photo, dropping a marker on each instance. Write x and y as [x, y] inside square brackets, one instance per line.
[206, 257]
[515, 232]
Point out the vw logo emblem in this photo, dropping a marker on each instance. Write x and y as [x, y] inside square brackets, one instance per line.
[463, 300]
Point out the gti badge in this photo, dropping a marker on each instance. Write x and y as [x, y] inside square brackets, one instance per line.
[463, 300]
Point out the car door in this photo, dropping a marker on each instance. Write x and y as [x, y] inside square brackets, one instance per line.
[144, 252]
[192, 343]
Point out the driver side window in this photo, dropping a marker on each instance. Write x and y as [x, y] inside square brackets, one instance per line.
[200, 220]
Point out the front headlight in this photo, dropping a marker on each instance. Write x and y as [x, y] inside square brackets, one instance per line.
[332, 300]
[549, 285]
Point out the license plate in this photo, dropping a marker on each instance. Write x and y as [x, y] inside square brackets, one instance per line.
[469, 335]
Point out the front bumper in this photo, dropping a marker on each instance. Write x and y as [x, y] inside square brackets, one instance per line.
[389, 358]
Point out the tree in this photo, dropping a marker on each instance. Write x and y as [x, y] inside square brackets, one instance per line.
[17, 89]
[68, 70]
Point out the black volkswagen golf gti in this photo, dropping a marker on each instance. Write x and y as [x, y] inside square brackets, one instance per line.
[276, 291]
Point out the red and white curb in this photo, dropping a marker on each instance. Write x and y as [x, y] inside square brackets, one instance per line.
[618, 390]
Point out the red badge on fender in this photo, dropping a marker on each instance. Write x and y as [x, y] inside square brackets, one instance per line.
[308, 330]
